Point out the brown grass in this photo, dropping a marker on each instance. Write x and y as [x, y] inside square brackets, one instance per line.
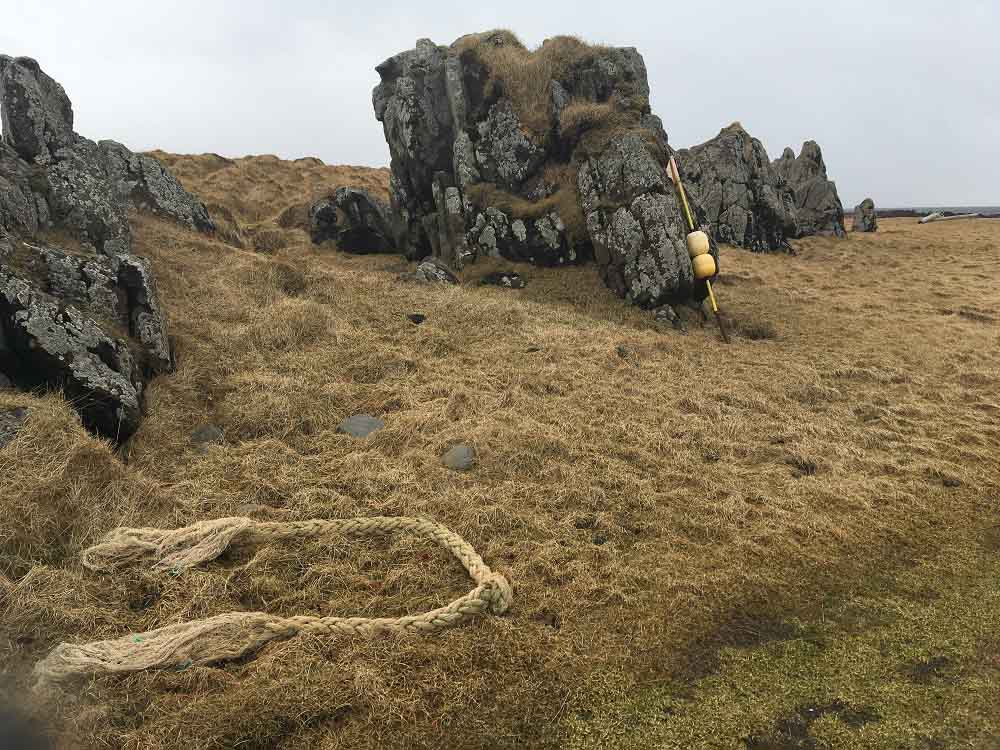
[654, 507]
[525, 75]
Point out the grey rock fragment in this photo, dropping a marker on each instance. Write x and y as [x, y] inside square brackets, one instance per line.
[360, 425]
[461, 457]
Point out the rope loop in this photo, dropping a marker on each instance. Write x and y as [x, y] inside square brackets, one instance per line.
[234, 634]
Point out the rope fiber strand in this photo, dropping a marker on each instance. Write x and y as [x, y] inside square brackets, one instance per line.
[234, 634]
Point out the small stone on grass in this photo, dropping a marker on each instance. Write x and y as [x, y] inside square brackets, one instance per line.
[460, 457]
[360, 425]
[206, 435]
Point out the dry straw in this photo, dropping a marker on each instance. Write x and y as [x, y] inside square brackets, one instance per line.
[234, 634]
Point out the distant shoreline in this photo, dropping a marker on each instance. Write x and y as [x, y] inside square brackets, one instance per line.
[988, 212]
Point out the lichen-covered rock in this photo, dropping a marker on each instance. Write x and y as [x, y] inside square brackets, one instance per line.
[489, 143]
[745, 200]
[146, 184]
[637, 225]
[89, 324]
[50, 176]
[83, 198]
[21, 209]
[36, 113]
[432, 271]
[865, 217]
[540, 240]
[504, 279]
[818, 209]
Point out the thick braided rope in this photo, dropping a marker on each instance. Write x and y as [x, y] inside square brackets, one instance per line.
[231, 635]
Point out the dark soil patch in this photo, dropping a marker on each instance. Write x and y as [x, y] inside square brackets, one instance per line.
[929, 670]
[792, 732]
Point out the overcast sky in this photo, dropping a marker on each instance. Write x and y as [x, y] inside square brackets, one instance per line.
[904, 97]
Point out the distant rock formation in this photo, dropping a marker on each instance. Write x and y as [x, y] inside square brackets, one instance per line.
[551, 156]
[865, 218]
[745, 199]
[355, 219]
[85, 318]
[817, 206]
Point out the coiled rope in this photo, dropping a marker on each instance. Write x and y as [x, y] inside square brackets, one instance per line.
[231, 635]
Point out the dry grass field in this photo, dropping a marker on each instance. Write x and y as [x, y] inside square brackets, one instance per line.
[789, 542]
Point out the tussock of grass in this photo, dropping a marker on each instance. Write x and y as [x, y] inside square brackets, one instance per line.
[640, 505]
[580, 116]
[525, 75]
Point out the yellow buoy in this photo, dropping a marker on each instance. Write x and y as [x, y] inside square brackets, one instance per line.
[704, 266]
[697, 243]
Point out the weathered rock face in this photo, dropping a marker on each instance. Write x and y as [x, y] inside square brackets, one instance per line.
[146, 184]
[50, 176]
[817, 206]
[21, 209]
[746, 201]
[636, 224]
[11, 422]
[88, 320]
[89, 324]
[865, 218]
[36, 113]
[550, 157]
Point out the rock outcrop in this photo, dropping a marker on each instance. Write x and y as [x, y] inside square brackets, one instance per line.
[52, 177]
[84, 318]
[147, 185]
[865, 217]
[88, 324]
[746, 201]
[551, 156]
[817, 206]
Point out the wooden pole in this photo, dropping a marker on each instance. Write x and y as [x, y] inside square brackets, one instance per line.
[690, 219]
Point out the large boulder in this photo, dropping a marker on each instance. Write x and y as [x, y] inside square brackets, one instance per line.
[501, 151]
[82, 197]
[745, 200]
[89, 324]
[865, 217]
[356, 220]
[818, 209]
